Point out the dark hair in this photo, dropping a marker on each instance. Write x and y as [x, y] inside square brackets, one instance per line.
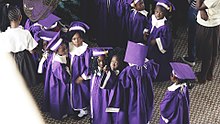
[71, 33]
[14, 14]
[119, 53]
[166, 12]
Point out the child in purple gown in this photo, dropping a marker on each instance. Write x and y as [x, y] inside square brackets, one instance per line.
[159, 39]
[135, 86]
[116, 66]
[79, 66]
[45, 37]
[174, 108]
[57, 78]
[136, 21]
[102, 82]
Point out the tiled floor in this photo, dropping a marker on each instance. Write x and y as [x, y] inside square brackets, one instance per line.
[204, 99]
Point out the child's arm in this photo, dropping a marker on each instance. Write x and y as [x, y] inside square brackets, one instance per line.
[164, 40]
[201, 7]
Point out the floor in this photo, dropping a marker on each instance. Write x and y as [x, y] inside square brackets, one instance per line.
[204, 99]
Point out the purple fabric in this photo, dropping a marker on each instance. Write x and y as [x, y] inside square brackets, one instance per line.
[49, 21]
[175, 107]
[165, 35]
[55, 89]
[106, 23]
[135, 53]
[182, 71]
[135, 25]
[168, 3]
[136, 94]
[80, 24]
[53, 42]
[100, 99]
[80, 92]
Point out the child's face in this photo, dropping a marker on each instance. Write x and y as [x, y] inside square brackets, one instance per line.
[101, 61]
[158, 13]
[140, 5]
[62, 50]
[45, 43]
[114, 63]
[77, 40]
[173, 78]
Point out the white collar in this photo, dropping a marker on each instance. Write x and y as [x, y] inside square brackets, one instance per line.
[158, 23]
[19, 27]
[58, 58]
[117, 72]
[176, 86]
[143, 12]
[77, 50]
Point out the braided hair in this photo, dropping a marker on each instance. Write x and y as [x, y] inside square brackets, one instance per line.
[14, 14]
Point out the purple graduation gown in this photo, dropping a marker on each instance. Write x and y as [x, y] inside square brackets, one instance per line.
[100, 91]
[80, 93]
[163, 54]
[175, 106]
[136, 93]
[106, 23]
[136, 22]
[55, 89]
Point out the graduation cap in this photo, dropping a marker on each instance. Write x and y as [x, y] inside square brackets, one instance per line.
[182, 71]
[77, 25]
[50, 22]
[55, 42]
[99, 51]
[166, 4]
[135, 53]
[134, 2]
[47, 35]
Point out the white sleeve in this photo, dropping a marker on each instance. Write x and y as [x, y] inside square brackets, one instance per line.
[211, 3]
[31, 42]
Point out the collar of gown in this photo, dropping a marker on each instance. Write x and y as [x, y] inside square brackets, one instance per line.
[143, 12]
[61, 59]
[77, 50]
[158, 23]
[176, 86]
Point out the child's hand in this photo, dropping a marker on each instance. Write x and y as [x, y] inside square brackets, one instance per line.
[153, 42]
[79, 80]
[105, 69]
[204, 15]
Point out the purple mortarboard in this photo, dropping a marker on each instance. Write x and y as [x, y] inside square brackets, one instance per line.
[98, 51]
[182, 71]
[166, 4]
[55, 42]
[134, 2]
[39, 9]
[77, 25]
[135, 53]
[47, 35]
[49, 22]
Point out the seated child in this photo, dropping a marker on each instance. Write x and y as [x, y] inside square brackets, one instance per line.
[174, 108]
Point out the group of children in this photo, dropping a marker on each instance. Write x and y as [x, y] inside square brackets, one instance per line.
[114, 88]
